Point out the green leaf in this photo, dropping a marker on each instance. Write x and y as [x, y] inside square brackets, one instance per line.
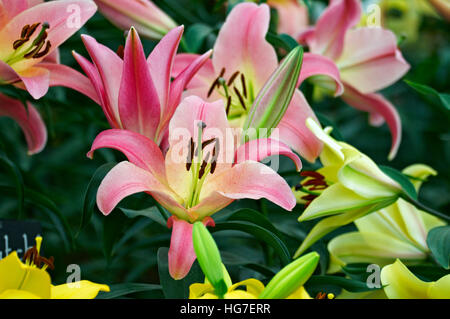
[152, 212]
[90, 196]
[196, 35]
[255, 217]
[113, 226]
[176, 289]
[438, 240]
[18, 180]
[259, 232]
[50, 209]
[442, 99]
[317, 282]
[400, 178]
[282, 41]
[121, 290]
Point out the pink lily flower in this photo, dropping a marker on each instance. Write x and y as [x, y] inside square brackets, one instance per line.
[203, 171]
[368, 60]
[136, 93]
[30, 33]
[149, 20]
[292, 16]
[245, 61]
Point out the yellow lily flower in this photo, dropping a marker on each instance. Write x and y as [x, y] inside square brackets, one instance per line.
[348, 186]
[28, 280]
[397, 231]
[401, 283]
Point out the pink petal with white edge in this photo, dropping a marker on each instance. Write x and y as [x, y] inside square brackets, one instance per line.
[242, 46]
[126, 179]
[28, 119]
[139, 106]
[64, 17]
[378, 107]
[160, 63]
[314, 64]
[181, 252]
[109, 66]
[293, 130]
[371, 60]
[140, 150]
[251, 180]
[257, 150]
[333, 24]
[61, 75]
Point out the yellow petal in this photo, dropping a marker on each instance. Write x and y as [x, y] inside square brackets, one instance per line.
[440, 289]
[402, 284]
[420, 173]
[198, 290]
[17, 294]
[78, 290]
[253, 286]
[239, 294]
[14, 275]
[300, 293]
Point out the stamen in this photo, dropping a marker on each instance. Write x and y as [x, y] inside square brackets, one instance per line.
[206, 143]
[213, 167]
[25, 31]
[18, 43]
[232, 78]
[213, 86]
[222, 73]
[241, 99]
[203, 167]
[43, 53]
[32, 29]
[244, 86]
[312, 174]
[190, 154]
[228, 105]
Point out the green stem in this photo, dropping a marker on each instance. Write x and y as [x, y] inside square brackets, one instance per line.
[426, 208]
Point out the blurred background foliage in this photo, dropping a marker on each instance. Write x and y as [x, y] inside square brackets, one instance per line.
[57, 187]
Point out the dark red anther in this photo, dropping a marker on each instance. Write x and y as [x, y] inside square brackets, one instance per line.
[232, 78]
[228, 105]
[241, 99]
[244, 85]
[312, 174]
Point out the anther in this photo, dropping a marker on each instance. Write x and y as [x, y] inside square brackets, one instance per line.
[232, 78]
[244, 86]
[25, 31]
[203, 167]
[241, 99]
[190, 154]
[228, 105]
[213, 86]
[312, 174]
[120, 51]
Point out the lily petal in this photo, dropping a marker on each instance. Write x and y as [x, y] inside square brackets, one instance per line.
[377, 105]
[36, 81]
[251, 180]
[181, 252]
[160, 64]
[241, 44]
[109, 66]
[126, 179]
[61, 75]
[314, 64]
[292, 16]
[83, 289]
[139, 106]
[333, 24]
[293, 131]
[140, 150]
[371, 60]
[28, 119]
[257, 150]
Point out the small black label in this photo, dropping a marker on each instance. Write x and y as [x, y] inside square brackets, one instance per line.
[17, 236]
